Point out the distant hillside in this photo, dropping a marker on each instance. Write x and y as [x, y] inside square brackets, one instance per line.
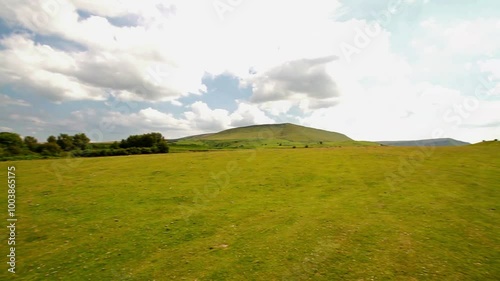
[428, 142]
[287, 131]
[487, 143]
[192, 137]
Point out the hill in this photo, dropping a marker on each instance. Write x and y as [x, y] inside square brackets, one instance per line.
[287, 131]
[426, 142]
[487, 143]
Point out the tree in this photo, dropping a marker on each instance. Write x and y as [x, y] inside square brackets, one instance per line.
[51, 139]
[80, 141]
[145, 140]
[114, 145]
[11, 143]
[162, 147]
[65, 141]
[31, 143]
[49, 148]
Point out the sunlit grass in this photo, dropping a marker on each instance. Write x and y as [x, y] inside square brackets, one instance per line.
[350, 213]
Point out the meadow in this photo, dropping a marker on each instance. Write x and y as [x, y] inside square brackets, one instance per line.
[348, 213]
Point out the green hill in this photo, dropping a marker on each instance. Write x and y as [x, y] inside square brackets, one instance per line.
[287, 131]
[428, 142]
[265, 136]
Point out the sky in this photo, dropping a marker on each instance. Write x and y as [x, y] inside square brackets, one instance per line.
[373, 70]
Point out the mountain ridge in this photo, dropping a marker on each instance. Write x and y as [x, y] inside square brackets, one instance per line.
[426, 142]
[297, 133]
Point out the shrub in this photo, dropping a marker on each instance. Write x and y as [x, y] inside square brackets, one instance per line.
[134, 150]
[49, 149]
[120, 151]
[163, 147]
[114, 145]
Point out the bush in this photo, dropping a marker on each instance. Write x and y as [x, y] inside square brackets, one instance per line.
[163, 147]
[114, 145]
[134, 150]
[11, 143]
[145, 140]
[89, 153]
[120, 151]
[49, 149]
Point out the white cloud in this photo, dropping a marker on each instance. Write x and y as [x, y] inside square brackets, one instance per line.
[176, 103]
[6, 129]
[168, 46]
[491, 81]
[40, 69]
[121, 58]
[406, 111]
[248, 114]
[5, 100]
[27, 119]
[276, 108]
[467, 37]
[299, 79]
[204, 118]
[491, 66]
[199, 119]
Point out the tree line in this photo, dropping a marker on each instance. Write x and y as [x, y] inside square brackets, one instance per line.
[12, 145]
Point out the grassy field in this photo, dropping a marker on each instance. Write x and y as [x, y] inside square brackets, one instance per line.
[350, 213]
[211, 145]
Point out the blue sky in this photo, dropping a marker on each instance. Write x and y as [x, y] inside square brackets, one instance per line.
[373, 70]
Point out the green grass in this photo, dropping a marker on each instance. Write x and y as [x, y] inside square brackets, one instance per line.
[488, 143]
[349, 213]
[189, 145]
